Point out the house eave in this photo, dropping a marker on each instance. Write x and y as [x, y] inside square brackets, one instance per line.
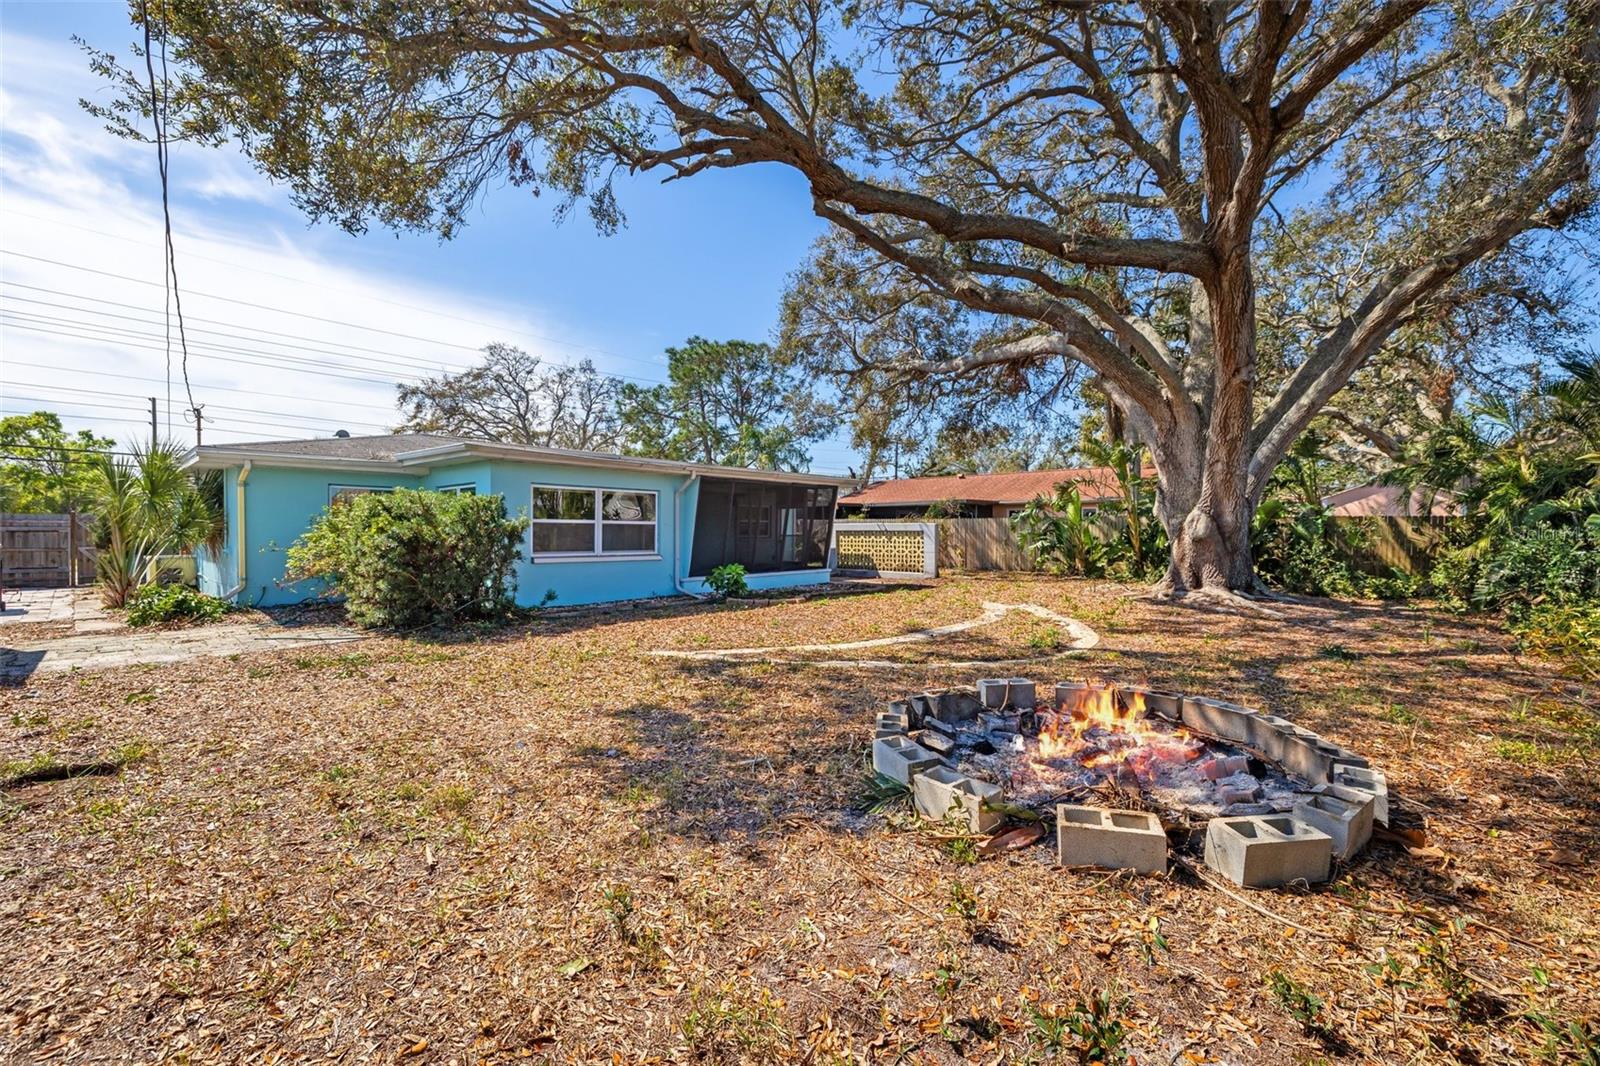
[221, 457]
[566, 456]
[423, 460]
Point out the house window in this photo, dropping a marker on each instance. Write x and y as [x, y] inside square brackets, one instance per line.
[570, 521]
[338, 493]
[459, 490]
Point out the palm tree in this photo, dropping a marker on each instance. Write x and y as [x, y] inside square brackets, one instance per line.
[149, 507]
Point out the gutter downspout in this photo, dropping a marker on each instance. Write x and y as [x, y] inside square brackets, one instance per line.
[238, 555]
[677, 522]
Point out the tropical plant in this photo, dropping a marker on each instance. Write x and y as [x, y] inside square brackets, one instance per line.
[1145, 539]
[413, 557]
[727, 580]
[148, 506]
[1055, 532]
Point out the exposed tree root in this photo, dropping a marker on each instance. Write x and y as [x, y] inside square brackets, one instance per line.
[1221, 599]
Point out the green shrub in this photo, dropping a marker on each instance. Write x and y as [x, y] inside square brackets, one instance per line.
[413, 557]
[152, 604]
[1539, 564]
[1293, 549]
[728, 580]
[1564, 631]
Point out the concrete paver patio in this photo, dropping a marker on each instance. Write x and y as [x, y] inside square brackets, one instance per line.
[99, 642]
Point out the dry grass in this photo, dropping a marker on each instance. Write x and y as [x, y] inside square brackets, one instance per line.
[548, 843]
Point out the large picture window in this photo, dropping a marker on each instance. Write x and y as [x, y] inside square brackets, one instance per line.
[570, 521]
[340, 493]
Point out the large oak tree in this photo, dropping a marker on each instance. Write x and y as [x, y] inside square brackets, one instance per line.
[1092, 175]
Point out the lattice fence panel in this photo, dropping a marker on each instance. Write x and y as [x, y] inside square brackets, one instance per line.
[881, 550]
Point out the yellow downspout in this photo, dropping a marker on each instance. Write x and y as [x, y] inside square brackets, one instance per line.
[238, 508]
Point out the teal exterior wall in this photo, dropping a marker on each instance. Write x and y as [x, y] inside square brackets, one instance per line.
[598, 580]
[281, 502]
[279, 505]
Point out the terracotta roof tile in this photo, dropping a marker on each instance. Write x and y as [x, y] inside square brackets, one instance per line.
[1094, 483]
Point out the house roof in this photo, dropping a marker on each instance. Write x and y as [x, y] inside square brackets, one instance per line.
[1390, 501]
[381, 446]
[1094, 483]
[416, 453]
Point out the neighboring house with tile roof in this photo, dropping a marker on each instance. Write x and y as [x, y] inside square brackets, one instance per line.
[976, 495]
[602, 527]
[1391, 501]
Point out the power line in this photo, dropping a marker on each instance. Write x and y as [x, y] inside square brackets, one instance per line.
[210, 388]
[196, 318]
[221, 407]
[378, 299]
[298, 314]
[174, 294]
[411, 366]
[156, 348]
[358, 362]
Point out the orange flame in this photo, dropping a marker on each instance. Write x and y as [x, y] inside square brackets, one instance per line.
[1095, 708]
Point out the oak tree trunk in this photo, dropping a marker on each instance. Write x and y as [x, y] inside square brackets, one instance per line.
[1203, 460]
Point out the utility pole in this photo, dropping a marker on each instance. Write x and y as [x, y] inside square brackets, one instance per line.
[897, 460]
[197, 408]
[154, 432]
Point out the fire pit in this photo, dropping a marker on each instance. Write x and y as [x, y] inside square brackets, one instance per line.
[1276, 802]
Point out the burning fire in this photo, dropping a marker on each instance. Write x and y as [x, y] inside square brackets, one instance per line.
[1097, 731]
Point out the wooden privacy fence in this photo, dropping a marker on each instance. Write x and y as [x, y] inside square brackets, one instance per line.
[980, 544]
[42, 551]
[1381, 545]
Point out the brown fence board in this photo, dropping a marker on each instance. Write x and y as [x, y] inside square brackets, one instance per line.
[46, 550]
[980, 544]
[1381, 545]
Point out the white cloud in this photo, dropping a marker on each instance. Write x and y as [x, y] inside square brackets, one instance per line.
[280, 319]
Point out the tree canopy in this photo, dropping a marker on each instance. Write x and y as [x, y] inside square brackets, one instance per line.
[514, 397]
[1221, 211]
[728, 402]
[45, 469]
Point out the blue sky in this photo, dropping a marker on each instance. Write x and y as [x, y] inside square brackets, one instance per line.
[707, 256]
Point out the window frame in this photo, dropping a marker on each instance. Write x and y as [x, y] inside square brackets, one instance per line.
[464, 488]
[598, 522]
[359, 490]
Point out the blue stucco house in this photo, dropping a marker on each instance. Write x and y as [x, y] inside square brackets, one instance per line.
[602, 527]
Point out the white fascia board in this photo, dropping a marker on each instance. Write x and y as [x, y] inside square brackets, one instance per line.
[534, 453]
[218, 458]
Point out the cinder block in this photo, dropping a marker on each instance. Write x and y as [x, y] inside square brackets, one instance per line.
[1168, 705]
[1345, 814]
[1229, 721]
[1256, 851]
[1070, 696]
[1000, 693]
[992, 722]
[1315, 759]
[939, 790]
[902, 708]
[890, 723]
[897, 713]
[1373, 782]
[934, 741]
[1270, 735]
[899, 758]
[1111, 840]
[953, 705]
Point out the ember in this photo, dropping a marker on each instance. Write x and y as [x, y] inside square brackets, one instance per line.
[973, 755]
[1098, 733]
